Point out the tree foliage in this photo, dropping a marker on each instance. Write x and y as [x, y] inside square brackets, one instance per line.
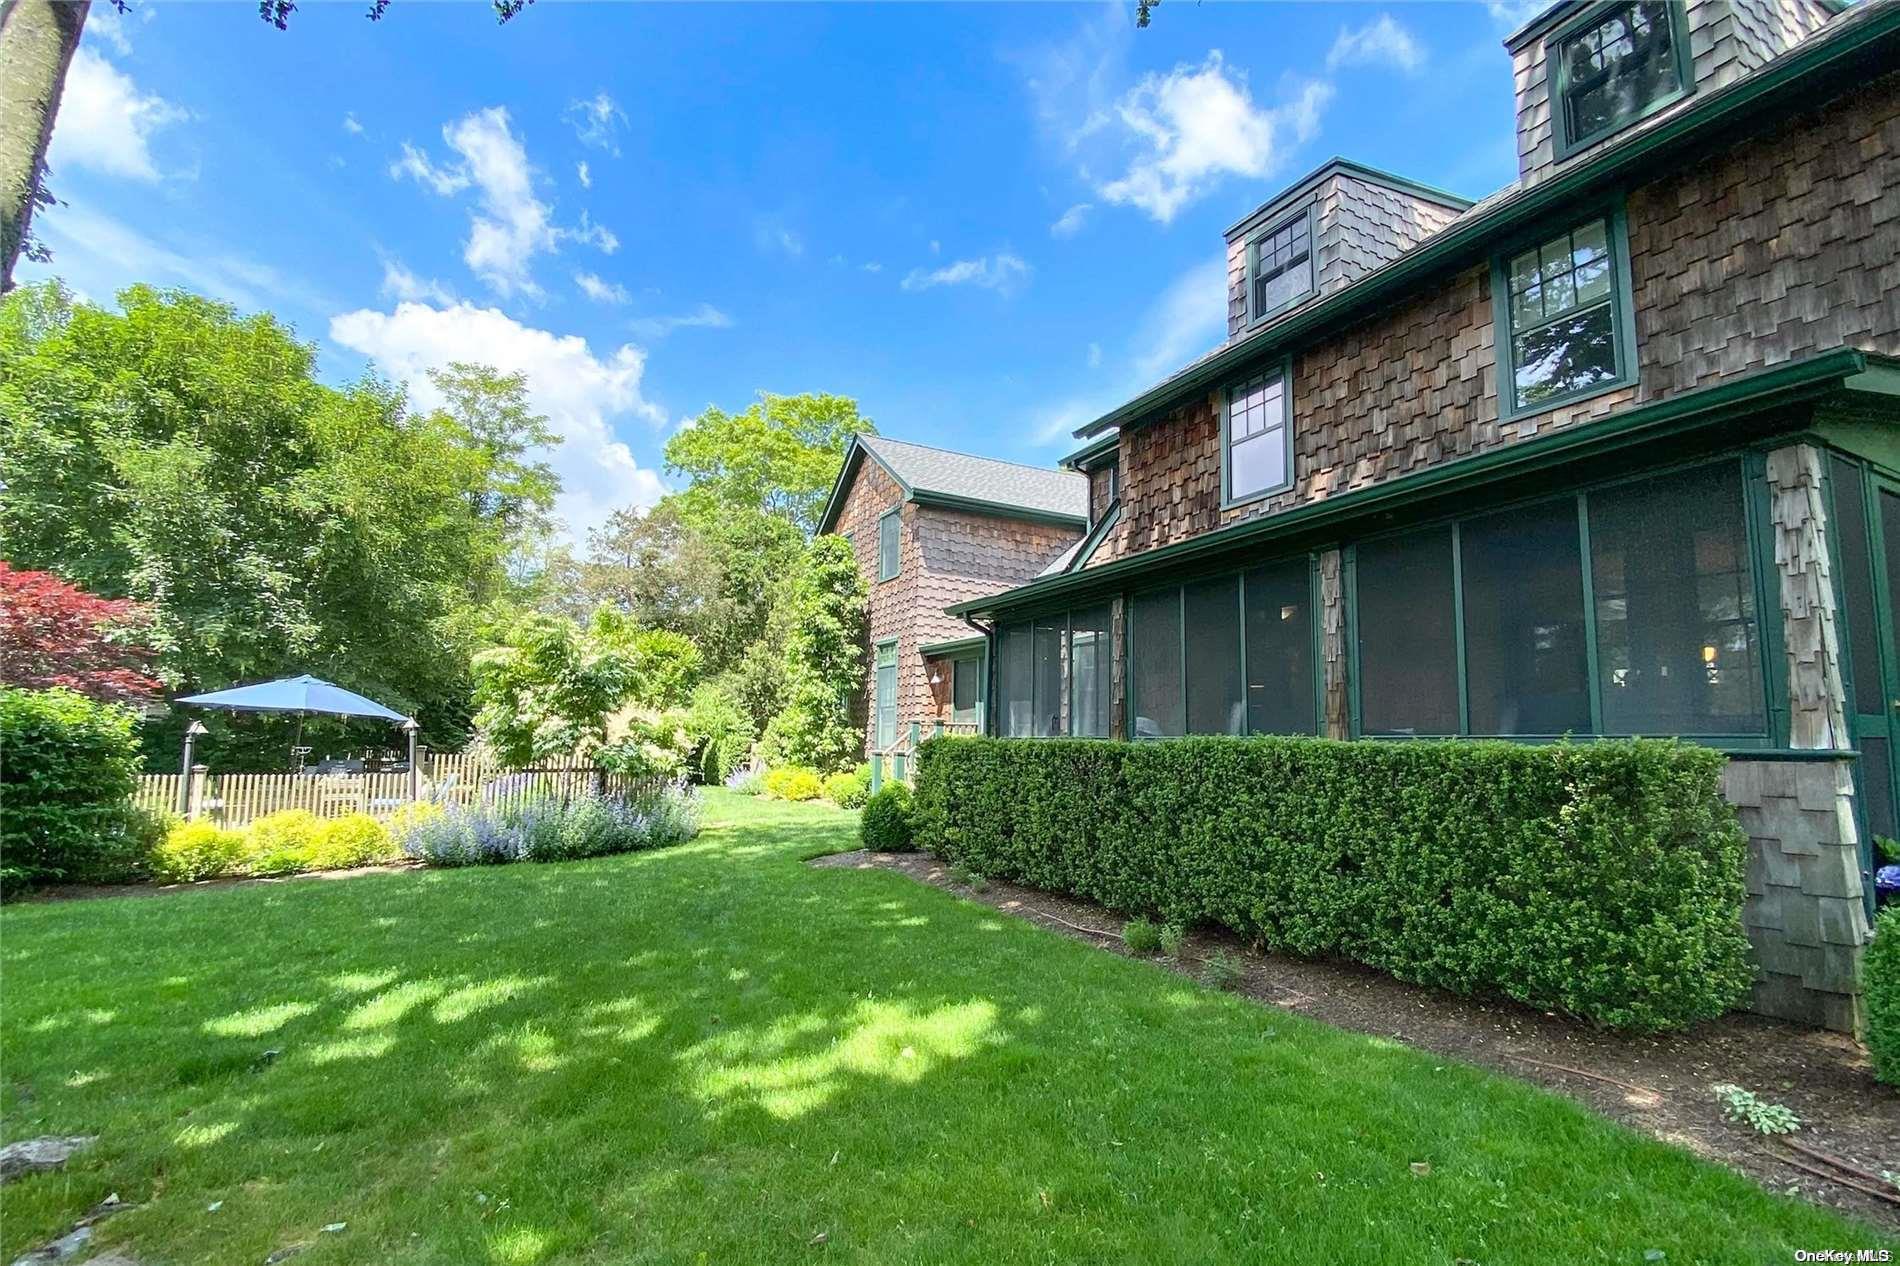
[778, 456]
[824, 662]
[177, 454]
[56, 634]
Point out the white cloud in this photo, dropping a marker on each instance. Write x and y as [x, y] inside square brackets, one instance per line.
[586, 177]
[404, 286]
[350, 124]
[96, 255]
[776, 238]
[1381, 41]
[584, 395]
[705, 316]
[105, 23]
[1095, 356]
[1197, 124]
[597, 121]
[1072, 220]
[600, 290]
[106, 123]
[511, 225]
[1188, 318]
[871, 266]
[1515, 13]
[1001, 271]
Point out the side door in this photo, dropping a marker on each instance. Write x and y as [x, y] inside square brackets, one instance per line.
[1867, 531]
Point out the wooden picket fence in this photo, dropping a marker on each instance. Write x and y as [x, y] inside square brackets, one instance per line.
[458, 778]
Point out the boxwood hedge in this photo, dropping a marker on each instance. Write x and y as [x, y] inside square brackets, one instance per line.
[1600, 879]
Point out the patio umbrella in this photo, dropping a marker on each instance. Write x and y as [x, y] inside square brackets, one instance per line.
[302, 695]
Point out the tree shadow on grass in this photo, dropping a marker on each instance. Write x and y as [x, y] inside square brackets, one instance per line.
[715, 1050]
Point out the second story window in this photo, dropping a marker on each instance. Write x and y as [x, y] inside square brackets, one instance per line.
[1281, 266]
[889, 542]
[1257, 457]
[1565, 315]
[1625, 62]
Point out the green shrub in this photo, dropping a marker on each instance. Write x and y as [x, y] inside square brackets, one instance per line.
[970, 879]
[198, 850]
[282, 843]
[1880, 979]
[1173, 937]
[1141, 936]
[1223, 969]
[849, 791]
[355, 840]
[793, 782]
[885, 824]
[1600, 879]
[69, 769]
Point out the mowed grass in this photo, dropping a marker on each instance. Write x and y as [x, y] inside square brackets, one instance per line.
[718, 1054]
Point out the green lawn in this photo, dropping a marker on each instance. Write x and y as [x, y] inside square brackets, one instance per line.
[718, 1054]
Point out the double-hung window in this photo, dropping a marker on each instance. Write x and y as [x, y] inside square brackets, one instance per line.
[884, 707]
[1256, 452]
[1280, 266]
[1624, 61]
[1564, 307]
[890, 526]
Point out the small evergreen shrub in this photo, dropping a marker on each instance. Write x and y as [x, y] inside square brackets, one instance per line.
[282, 843]
[69, 769]
[289, 842]
[1141, 936]
[793, 782]
[1223, 969]
[885, 824]
[1173, 936]
[1601, 879]
[968, 878]
[1880, 981]
[849, 791]
[355, 840]
[197, 850]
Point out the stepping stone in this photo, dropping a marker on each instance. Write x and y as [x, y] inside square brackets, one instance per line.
[32, 1156]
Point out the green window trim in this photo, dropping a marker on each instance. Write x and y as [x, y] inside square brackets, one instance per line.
[1757, 553]
[1262, 432]
[1557, 74]
[1288, 241]
[884, 698]
[890, 555]
[1620, 302]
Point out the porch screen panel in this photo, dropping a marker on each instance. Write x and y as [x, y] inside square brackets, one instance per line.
[1155, 668]
[1279, 631]
[1408, 645]
[1525, 665]
[1013, 682]
[1046, 714]
[1089, 665]
[1849, 526]
[1678, 648]
[1215, 704]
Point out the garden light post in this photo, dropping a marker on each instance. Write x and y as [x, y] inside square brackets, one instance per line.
[192, 732]
[410, 728]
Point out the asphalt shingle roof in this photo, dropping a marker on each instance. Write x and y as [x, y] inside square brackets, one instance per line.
[1047, 490]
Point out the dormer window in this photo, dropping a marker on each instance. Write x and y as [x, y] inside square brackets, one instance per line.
[1280, 264]
[1622, 62]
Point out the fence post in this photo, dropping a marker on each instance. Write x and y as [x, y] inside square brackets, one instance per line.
[936, 728]
[415, 772]
[195, 792]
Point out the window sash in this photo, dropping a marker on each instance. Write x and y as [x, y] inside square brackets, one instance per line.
[1274, 255]
[1256, 415]
[889, 544]
[1662, 58]
[886, 702]
[1594, 248]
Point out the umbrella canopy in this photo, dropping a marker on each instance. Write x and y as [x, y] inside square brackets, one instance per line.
[294, 694]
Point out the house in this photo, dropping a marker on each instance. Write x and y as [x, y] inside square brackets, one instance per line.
[932, 528]
[1613, 451]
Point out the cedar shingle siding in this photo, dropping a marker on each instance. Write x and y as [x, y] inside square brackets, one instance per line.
[1784, 245]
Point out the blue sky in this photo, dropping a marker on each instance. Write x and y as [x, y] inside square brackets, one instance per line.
[988, 223]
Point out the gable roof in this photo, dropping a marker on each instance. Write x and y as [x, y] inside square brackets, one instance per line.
[961, 481]
[1862, 41]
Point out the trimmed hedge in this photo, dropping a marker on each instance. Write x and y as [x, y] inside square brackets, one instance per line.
[68, 767]
[1880, 978]
[1600, 879]
[885, 825]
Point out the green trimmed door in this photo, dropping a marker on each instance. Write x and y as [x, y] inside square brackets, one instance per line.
[1867, 528]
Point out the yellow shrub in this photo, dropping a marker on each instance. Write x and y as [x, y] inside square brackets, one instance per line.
[793, 782]
[282, 843]
[197, 850]
[411, 815]
[356, 840]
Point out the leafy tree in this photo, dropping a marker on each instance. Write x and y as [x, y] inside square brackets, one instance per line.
[554, 688]
[493, 409]
[824, 662]
[178, 455]
[56, 634]
[777, 457]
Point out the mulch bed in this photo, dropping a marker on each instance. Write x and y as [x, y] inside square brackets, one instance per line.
[86, 892]
[1657, 1084]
